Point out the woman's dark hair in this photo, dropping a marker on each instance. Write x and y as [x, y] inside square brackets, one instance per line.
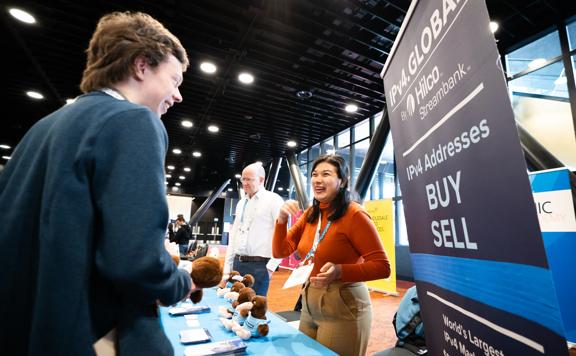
[340, 203]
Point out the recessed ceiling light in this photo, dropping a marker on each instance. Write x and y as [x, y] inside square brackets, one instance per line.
[175, 189]
[493, 26]
[208, 67]
[177, 151]
[187, 169]
[177, 184]
[34, 94]
[168, 175]
[187, 123]
[6, 147]
[171, 167]
[22, 15]
[230, 189]
[213, 128]
[238, 176]
[181, 177]
[6, 157]
[280, 189]
[351, 108]
[196, 154]
[291, 143]
[246, 78]
[304, 94]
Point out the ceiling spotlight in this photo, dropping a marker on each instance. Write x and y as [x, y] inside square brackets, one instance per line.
[168, 175]
[230, 189]
[213, 128]
[493, 26]
[6, 157]
[176, 151]
[238, 176]
[187, 169]
[171, 167]
[187, 124]
[177, 184]
[22, 16]
[34, 95]
[196, 154]
[246, 78]
[304, 94]
[5, 147]
[181, 177]
[351, 108]
[280, 189]
[291, 143]
[208, 67]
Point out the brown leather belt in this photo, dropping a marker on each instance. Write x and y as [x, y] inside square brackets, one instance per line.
[252, 258]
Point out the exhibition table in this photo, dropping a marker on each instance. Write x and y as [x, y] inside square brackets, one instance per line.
[282, 339]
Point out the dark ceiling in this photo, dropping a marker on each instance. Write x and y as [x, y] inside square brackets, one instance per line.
[334, 49]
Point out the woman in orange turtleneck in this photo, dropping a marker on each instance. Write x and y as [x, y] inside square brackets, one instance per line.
[336, 307]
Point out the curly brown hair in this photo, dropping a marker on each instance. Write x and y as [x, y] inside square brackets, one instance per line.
[120, 38]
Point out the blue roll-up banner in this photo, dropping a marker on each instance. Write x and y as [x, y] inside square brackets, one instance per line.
[478, 258]
[555, 206]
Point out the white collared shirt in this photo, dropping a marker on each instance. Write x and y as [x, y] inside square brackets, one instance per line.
[253, 227]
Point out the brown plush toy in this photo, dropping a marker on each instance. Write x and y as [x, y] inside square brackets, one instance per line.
[234, 291]
[206, 273]
[248, 280]
[230, 279]
[241, 308]
[256, 323]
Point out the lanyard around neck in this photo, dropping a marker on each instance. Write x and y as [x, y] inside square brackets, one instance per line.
[317, 236]
[113, 93]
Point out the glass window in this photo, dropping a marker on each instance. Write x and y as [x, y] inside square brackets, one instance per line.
[328, 146]
[360, 150]
[362, 130]
[314, 152]
[533, 54]
[344, 139]
[402, 233]
[541, 106]
[303, 157]
[548, 82]
[572, 34]
[383, 183]
[377, 119]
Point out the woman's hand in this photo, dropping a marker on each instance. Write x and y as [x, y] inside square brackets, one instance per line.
[290, 207]
[328, 274]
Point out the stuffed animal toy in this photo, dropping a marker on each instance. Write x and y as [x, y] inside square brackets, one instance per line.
[248, 280]
[206, 273]
[226, 283]
[234, 291]
[256, 323]
[241, 309]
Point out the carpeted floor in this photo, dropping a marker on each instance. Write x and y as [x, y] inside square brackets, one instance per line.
[384, 307]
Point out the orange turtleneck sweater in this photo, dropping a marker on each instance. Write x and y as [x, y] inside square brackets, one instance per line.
[351, 241]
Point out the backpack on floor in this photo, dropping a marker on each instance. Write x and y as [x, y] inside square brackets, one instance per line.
[408, 324]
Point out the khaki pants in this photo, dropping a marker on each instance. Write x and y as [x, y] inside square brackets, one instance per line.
[338, 316]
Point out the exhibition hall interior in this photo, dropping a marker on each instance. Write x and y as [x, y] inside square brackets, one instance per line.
[283, 82]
